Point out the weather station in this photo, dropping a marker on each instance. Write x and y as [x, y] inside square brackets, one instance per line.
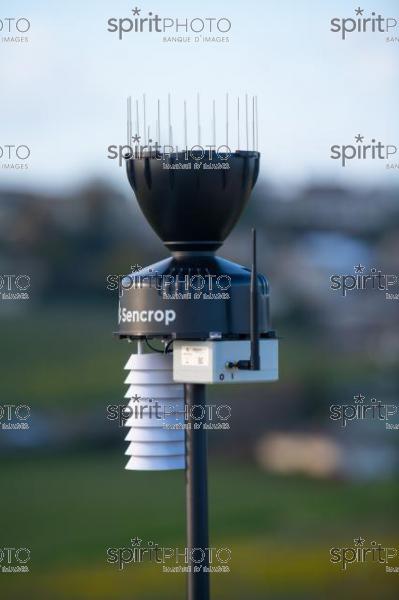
[196, 318]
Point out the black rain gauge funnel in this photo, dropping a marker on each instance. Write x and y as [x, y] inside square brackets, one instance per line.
[211, 315]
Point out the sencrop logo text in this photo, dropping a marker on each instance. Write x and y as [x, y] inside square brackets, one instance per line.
[14, 30]
[361, 552]
[146, 316]
[14, 416]
[14, 560]
[175, 29]
[361, 410]
[14, 157]
[374, 281]
[173, 559]
[363, 23]
[362, 150]
[14, 287]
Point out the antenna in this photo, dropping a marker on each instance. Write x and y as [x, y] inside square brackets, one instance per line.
[254, 321]
[253, 364]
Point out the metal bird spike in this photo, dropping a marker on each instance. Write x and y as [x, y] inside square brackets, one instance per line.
[169, 123]
[246, 120]
[257, 123]
[214, 122]
[238, 122]
[253, 123]
[185, 124]
[243, 129]
[199, 119]
[227, 120]
[159, 123]
[144, 120]
[129, 120]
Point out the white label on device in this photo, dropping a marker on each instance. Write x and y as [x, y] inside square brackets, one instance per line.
[195, 356]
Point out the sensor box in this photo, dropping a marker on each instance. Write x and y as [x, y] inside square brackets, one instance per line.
[209, 361]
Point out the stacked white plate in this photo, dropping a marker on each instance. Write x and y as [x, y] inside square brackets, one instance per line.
[156, 423]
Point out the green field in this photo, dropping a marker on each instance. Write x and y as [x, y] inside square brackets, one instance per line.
[70, 509]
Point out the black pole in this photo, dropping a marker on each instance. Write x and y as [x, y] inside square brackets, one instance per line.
[197, 492]
[254, 317]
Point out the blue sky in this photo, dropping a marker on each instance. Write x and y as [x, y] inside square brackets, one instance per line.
[63, 93]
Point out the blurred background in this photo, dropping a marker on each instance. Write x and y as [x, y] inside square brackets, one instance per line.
[287, 482]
